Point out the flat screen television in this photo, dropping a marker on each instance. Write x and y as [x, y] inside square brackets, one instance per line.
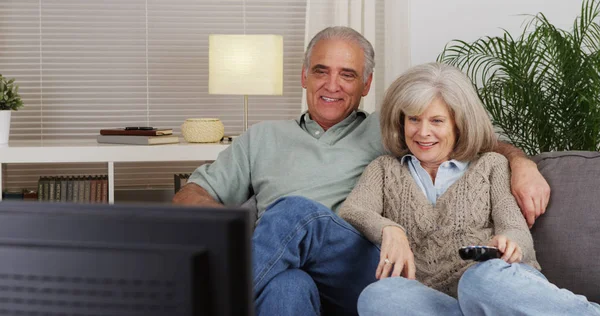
[94, 259]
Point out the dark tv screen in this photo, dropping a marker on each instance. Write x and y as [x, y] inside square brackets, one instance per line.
[94, 259]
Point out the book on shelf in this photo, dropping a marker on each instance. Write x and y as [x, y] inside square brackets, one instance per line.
[75, 193]
[98, 192]
[78, 189]
[40, 194]
[105, 189]
[138, 132]
[63, 188]
[12, 194]
[137, 140]
[30, 195]
[86, 189]
[57, 187]
[70, 182]
[51, 186]
[45, 191]
[93, 184]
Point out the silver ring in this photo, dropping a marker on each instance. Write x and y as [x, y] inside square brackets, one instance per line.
[387, 261]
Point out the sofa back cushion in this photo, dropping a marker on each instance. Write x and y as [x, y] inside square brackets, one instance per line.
[567, 237]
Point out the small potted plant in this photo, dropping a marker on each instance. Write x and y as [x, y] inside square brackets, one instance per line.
[10, 100]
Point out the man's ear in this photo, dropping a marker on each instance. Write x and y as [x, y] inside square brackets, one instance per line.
[303, 79]
[367, 85]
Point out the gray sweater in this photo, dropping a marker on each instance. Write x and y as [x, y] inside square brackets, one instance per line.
[476, 207]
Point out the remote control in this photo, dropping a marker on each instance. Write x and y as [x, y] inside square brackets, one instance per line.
[479, 253]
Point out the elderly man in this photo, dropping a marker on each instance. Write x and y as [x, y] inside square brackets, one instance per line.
[303, 254]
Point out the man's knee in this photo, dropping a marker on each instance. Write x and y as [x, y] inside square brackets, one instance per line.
[289, 292]
[293, 282]
[298, 202]
[295, 208]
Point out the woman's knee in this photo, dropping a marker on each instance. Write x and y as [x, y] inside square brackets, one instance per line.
[388, 293]
[376, 292]
[476, 276]
[484, 280]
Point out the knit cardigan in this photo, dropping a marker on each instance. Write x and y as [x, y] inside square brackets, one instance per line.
[476, 207]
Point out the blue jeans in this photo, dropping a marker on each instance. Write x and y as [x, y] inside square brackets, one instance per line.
[301, 252]
[493, 287]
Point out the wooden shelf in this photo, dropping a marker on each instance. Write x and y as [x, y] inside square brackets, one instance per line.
[91, 151]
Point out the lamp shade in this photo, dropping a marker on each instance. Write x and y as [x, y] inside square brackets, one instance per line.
[245, 64]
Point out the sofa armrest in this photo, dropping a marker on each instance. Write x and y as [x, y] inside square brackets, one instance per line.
[251, 205]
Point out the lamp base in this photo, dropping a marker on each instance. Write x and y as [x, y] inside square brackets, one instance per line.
[245, 112]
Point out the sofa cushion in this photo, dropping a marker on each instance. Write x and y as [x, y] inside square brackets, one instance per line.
[567, 237]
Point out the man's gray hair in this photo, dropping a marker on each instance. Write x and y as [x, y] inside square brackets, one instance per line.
[343, 33]
[412, 93]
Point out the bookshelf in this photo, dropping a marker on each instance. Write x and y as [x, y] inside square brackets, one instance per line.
[90, 151]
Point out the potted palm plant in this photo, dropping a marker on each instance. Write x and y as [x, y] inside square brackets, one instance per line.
[542, 88]
[9, 101]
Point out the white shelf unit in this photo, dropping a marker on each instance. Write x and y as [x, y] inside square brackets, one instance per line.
[90, 151]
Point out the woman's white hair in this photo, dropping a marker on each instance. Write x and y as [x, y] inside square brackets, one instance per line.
[414, 91]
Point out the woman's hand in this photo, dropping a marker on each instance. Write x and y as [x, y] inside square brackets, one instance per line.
[511, 252]
[396, 256]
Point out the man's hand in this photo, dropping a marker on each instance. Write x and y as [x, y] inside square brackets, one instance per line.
[529, 188]
[396, 256]
[193, 194]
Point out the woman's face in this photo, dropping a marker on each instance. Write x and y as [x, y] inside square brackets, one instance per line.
[431, 136]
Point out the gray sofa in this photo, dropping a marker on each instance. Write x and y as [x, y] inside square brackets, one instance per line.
[567, 237]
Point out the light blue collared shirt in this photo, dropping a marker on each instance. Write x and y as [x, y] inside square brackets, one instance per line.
[448, 172]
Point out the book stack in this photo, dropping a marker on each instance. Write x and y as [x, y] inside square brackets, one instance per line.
[78, 189]
[137, 136]
[19, 194]
[180, 180]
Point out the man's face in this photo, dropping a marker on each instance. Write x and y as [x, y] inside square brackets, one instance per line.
[334, 82]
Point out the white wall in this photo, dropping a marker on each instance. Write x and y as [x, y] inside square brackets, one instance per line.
[433, 23]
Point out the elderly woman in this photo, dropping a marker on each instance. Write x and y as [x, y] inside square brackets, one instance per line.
[443, 189]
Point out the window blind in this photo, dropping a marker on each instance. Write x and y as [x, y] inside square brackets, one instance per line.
[84, 65]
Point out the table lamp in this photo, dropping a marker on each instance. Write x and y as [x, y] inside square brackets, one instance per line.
[245, 65]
